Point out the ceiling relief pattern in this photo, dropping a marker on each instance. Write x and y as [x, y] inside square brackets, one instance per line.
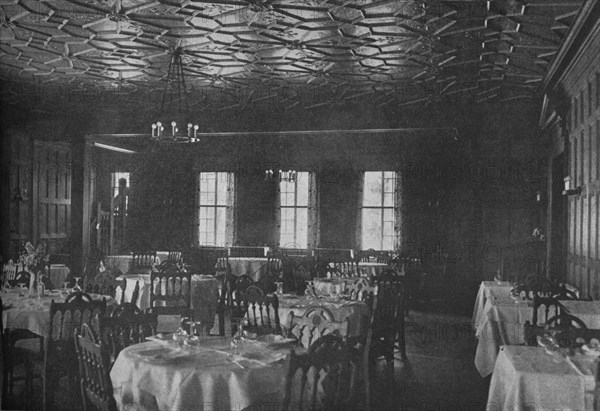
[290, 53]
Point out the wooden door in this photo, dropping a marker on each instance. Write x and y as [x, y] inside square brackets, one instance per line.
[52, 195]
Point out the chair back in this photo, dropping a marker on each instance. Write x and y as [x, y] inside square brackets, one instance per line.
[174, 257]
[274, 273]
[170, 291]
[9, 271]
[361, 290]
[323, 378]
[94, 369]
[314, 324]
[104, 283]
[545, 308]
[143, 261]
[127, 325]
[261, 311]
[337, 262]
[297, 270]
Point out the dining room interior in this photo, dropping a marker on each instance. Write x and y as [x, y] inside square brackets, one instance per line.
[401, 195]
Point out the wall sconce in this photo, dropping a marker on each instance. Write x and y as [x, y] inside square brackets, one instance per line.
[21, 194]
[538, 196]
[568, 191]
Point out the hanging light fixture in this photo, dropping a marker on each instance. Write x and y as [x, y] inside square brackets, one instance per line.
[175, 95]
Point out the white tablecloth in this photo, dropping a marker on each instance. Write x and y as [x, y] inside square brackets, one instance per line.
[121, 264]
[204, 296]
[149, 376]
[255, 267]
[527, 378]
[356, 313]
[33, 314]
[488, 289]
[503, 323]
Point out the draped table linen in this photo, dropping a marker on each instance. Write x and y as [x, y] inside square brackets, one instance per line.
[529, 378]
[204, 296]
[157, 376]
[58, 274]
[33, 314]
[488, 289]
[503, 321]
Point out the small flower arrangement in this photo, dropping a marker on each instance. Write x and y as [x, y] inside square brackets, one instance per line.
[34, 258]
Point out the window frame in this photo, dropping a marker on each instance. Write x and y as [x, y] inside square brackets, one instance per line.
[214, 206]
[295, 207]
[382, 207]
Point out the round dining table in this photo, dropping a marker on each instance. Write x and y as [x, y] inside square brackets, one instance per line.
[33, 314]
[161, 375]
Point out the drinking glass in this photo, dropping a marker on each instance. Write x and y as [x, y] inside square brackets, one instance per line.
[310, 290]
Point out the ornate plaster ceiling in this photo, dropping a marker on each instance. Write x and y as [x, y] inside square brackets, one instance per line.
[297, 53]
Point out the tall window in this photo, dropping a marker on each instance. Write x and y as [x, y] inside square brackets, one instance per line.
[212, 206]
[378, 210]
[294, 212]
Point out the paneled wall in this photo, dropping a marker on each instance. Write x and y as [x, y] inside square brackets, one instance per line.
[582, 88]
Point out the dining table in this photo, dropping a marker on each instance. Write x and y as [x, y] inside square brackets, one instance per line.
[486, 290]
[204, 294]
[532, 378]
[33, 313]
[503, 322]
[211, 374]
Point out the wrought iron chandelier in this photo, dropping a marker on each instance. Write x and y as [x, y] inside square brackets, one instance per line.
[174, 95]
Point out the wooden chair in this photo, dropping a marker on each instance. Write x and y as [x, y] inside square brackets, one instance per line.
[361, 290]
[335, 262]
[9, 271]
[103, 283]
[274, 273]
[170, 292]
[143, 262]
[314, 324]
[127, 325]
[13, 356]
[324, 378]
[60, 357]
[174, 257]
[261, 311]
[548, 307]
[386, 331]
[94, 369]
[296, 271]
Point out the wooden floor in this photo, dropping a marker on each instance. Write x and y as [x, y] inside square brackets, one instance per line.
[438, 375]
